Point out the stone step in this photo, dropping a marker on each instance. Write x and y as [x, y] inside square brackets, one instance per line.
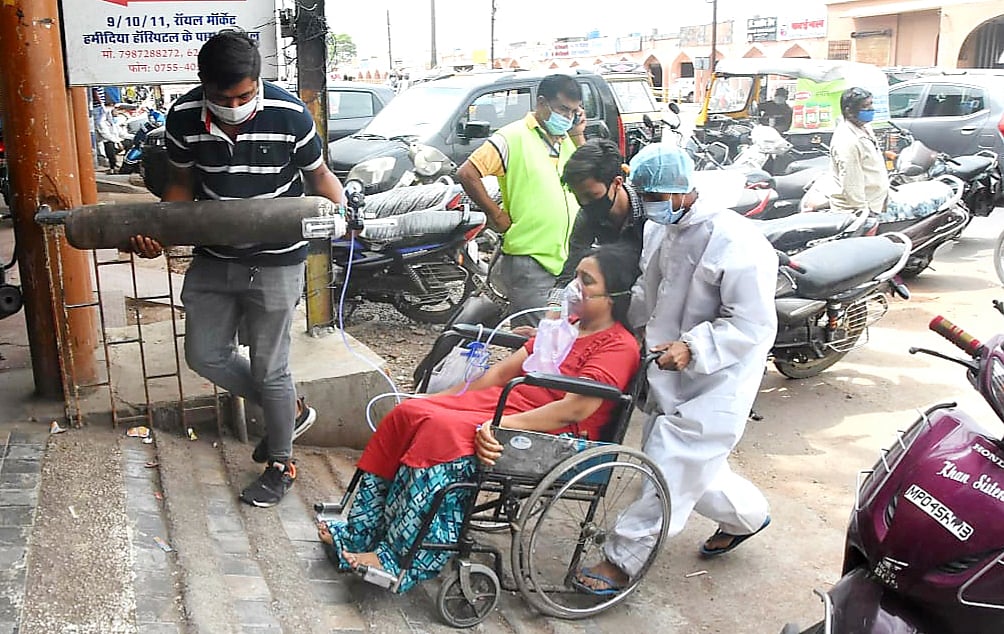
[100, 532]
[84, 558]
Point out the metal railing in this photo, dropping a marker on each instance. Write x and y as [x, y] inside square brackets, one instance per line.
[121, 343]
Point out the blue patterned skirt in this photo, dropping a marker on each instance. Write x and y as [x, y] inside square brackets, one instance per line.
[386, 517]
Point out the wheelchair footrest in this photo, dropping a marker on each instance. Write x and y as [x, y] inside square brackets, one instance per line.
[328, 508]
[377, 577]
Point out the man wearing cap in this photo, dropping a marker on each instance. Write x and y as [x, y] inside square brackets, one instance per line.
[706, 302]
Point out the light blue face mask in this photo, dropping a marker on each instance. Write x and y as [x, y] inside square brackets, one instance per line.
[663, 213]
[866, 116]
[557, 124]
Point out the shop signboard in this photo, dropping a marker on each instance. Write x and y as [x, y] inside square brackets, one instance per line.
[128, 42]
[817, 105]
[801, 28]
[761, 29]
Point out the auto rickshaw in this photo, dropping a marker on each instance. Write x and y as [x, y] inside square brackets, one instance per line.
[732, 104]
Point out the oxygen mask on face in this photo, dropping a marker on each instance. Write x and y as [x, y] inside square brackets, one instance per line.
[555, 337]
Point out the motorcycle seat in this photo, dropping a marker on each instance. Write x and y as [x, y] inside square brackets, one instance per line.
[759, 177]
[834, 267]
[419, 226]
[914, 201]
[968, 166]
[791, 232]
[748, 201]
[792, 186]
[822, 161]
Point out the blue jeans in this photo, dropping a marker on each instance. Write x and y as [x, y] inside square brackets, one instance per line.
[219, 298]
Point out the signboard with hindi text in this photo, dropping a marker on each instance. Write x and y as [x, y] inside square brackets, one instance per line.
[128, 42]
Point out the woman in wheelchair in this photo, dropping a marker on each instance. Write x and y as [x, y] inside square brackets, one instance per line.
[425, 444]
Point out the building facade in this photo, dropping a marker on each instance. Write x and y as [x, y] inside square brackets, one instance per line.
[949, 34]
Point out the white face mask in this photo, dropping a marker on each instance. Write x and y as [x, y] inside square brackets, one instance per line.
[234, 116]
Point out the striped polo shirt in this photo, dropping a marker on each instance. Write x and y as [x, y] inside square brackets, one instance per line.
[264, 161]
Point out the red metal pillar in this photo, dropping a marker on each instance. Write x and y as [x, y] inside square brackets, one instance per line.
[85, 160]
[39, 138]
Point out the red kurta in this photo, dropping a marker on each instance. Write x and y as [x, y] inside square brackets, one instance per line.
[422, 432]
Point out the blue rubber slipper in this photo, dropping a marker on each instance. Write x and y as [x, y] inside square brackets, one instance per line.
[611, 589]
[735, 541]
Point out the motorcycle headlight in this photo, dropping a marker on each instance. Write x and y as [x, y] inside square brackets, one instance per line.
[429, 161]
[373, 171]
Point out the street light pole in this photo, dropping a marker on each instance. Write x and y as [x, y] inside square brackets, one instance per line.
[390, 56]
[433, 61]
[493, 34]
[714, 35]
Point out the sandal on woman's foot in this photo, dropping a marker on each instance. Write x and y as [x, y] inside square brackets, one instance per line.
[734, 541]
[611, 588]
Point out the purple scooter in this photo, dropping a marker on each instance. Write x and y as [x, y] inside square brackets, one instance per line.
[925, 545]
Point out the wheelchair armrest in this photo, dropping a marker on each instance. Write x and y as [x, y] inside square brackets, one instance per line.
[575, 385]
[470, 332]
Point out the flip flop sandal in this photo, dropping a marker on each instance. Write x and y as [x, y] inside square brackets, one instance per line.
[735, 541]
[611, 589]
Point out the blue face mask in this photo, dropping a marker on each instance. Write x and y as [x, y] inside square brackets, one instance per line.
[663, 213]
[557, 124]
[866, 116]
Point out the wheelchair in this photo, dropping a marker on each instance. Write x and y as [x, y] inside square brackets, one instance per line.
[558, 497]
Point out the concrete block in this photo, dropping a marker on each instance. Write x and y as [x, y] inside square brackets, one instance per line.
[336, 382]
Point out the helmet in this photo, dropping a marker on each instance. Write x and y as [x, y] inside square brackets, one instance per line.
[852, 99]
[155, 117]
[662, 169]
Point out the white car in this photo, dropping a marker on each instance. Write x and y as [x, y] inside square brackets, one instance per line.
[682, 89]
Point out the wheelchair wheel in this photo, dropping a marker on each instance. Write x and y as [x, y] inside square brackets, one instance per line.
[469, 593]
[566, 521]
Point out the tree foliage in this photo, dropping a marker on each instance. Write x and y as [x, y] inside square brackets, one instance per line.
[341, 48]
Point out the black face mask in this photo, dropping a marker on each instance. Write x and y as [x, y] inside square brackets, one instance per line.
[600, 208]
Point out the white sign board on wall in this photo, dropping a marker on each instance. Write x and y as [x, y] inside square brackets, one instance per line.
[127, 42]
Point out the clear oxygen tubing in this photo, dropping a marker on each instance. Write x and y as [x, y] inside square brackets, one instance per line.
[394, 391]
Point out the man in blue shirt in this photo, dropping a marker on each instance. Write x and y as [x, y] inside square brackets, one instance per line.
[236, 137]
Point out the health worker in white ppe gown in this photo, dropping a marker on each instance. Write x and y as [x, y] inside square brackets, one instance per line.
[706, 302]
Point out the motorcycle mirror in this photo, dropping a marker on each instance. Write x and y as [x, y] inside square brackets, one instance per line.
[647, 120]
[674, 107]
[475, 129]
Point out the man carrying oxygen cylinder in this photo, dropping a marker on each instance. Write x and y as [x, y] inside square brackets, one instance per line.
[706, 303]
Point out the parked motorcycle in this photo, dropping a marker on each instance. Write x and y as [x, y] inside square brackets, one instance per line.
[928, 212]
[428, 164]
[132, 161]
[980, 172]
[827, 300]
[796, 233]
[411, 252]
[925, 543]
[653, 131]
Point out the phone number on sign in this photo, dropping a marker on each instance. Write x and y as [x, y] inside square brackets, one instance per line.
[151, 53]
[162, 68]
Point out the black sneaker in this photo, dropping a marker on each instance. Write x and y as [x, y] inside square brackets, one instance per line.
[270, 487]
[303, 422]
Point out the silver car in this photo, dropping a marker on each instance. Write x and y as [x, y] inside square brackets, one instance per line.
[956, 112]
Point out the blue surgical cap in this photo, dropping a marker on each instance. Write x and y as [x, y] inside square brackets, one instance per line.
[662, 169]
